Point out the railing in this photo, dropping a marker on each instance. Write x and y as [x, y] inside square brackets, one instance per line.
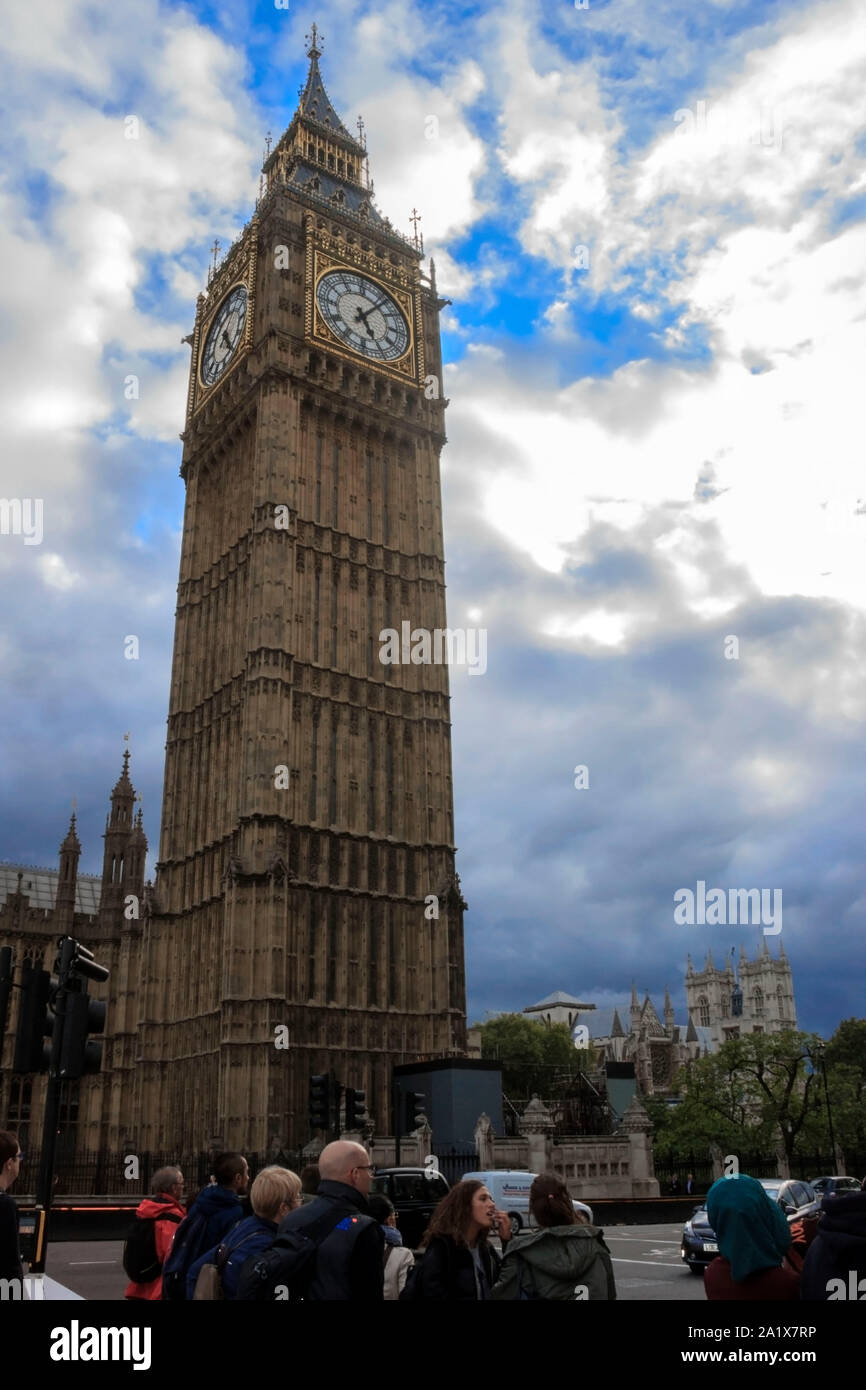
[672, 1169]
[131, 1175]
[456, 1161]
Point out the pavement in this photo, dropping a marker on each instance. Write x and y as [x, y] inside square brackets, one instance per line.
[646, 1263]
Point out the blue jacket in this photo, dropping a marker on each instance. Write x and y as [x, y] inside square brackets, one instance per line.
[251, 1237]
[223, 1210]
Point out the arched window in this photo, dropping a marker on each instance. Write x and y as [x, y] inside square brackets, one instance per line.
[704, 1011]
[780, 1000]
[759, 1002]
[20, 1093]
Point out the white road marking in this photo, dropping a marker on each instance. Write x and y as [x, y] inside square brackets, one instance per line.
[656, 1264]
[93, 1262]
[660, 1242]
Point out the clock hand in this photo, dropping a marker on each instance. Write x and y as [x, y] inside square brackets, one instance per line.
[225, 339]
[359, 314]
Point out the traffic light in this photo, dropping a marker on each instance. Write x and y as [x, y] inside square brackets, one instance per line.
[80, 961]
[79, 1054]
[81, 1015]
[414, 1110]
[320, 1102]
[35, 1022]
[356, 1109]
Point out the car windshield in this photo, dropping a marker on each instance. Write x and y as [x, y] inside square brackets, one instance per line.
[848, 1184]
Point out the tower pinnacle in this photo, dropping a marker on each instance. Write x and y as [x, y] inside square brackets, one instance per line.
[314, 51]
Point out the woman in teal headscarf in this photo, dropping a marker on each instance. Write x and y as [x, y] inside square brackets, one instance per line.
[754, 1240]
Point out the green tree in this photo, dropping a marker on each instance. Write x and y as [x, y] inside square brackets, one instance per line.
[845, 1062]
[536, 1057]
[756, 1092]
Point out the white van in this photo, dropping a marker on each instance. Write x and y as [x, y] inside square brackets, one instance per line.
[509, 1188]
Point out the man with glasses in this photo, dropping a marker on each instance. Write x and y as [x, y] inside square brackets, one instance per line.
[349, 1241]
[10, 1164]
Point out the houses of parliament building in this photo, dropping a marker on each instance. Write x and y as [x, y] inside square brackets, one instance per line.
[307, 813]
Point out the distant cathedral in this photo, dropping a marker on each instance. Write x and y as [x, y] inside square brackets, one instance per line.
[720, 1004]
[306, 886]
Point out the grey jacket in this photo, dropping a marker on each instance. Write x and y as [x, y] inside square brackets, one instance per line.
[557, 1262]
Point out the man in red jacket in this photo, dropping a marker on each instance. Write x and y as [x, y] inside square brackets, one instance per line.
[166, 1211]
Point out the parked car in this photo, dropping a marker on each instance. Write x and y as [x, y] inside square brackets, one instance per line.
[416, 1193]
[509, 1189]
[795, 1197]
[699, 1245]
[831, 1187]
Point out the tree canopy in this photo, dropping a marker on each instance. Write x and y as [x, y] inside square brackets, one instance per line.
[535, 1057]
[766, 1090]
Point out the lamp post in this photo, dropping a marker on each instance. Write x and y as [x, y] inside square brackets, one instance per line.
[819, 1048]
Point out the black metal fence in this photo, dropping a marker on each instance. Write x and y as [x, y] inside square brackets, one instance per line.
[456, 1161]
[673, 1169]
[131, 1175]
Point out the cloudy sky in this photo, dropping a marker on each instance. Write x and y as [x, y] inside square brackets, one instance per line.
[650, 222]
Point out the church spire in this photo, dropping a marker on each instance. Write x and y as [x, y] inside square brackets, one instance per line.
[118, 830]
[318, 161]
[315, 104]
[64, 902]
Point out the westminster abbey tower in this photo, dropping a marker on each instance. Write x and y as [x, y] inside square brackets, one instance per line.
[308, 810]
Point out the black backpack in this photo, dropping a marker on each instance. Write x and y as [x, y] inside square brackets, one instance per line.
[289, 1263]
[140, 1259]
[189, 1243]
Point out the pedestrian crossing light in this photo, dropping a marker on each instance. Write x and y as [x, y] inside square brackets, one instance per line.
[415, 1115]
[356, 1109]
[81, 1055]
[35, 1021]
[320, 1102]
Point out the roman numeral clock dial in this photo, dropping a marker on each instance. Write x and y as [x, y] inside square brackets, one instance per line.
[224, 336]
[362, 315]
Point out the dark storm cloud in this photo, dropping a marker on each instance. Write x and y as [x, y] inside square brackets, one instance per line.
[738, 772]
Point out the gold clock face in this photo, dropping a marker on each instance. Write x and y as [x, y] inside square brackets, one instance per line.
[363, 315]
[224, 336]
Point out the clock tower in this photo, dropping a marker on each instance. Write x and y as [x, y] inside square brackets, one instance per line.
[307, 915]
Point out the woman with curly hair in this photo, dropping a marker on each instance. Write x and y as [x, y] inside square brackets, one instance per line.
[458, 1263]
[564, 1259]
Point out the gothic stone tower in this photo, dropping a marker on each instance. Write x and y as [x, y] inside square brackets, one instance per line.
[768, 1004]
[307, 806]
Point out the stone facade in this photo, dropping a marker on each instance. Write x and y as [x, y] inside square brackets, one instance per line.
[307, 809]
[759, 999]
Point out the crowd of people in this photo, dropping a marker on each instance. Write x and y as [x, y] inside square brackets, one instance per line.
[324, 1235]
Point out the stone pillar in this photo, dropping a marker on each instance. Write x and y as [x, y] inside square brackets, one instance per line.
[484, 1143]
[415, 1147]
[637, 1125]
[536, 1124]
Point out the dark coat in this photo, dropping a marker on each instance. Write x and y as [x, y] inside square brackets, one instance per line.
[447, 1271]
[10, 1254]
[838, 1250]
[250, 1237]
[557, 1262]
[349, 1261]
[222, 1209]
